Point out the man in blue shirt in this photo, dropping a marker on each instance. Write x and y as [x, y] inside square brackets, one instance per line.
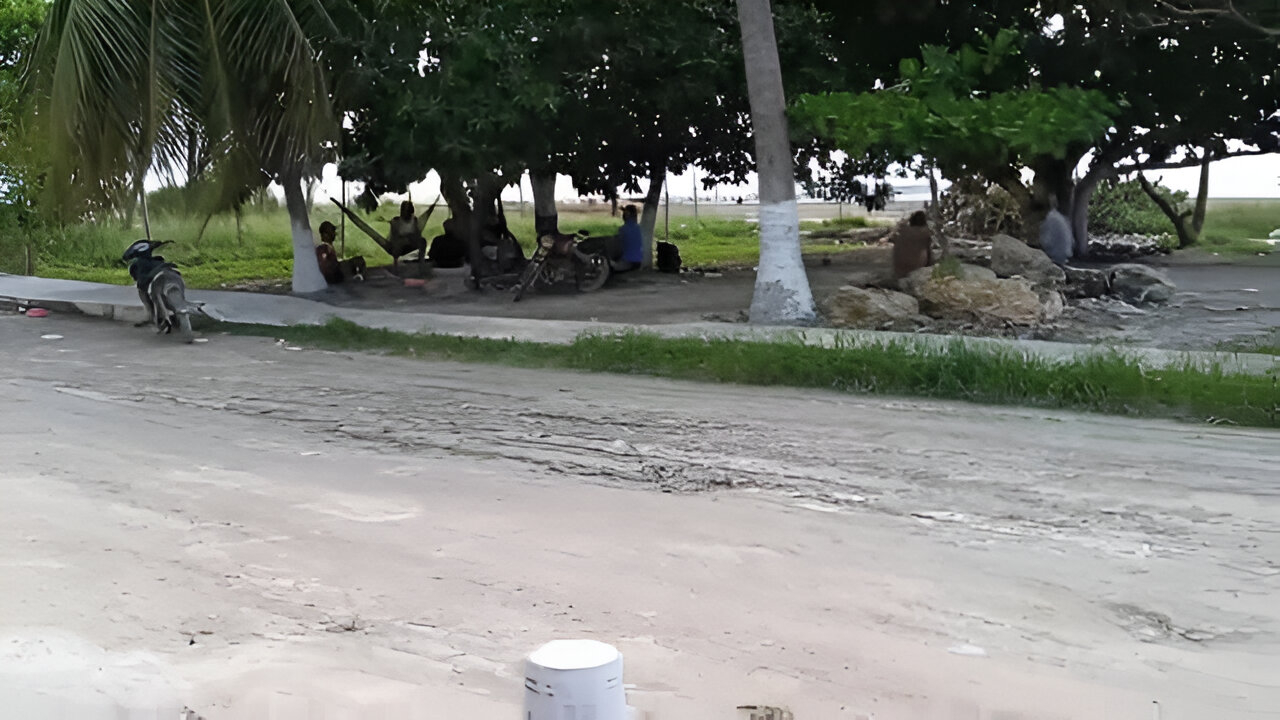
[631, 238]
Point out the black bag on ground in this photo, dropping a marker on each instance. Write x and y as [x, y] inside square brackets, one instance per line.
[668, 258]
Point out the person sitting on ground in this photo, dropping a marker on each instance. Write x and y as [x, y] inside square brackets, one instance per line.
[333, 269]
[448, 250]
[912, 245]
[326, 255]
[630, 241]
[406, 235]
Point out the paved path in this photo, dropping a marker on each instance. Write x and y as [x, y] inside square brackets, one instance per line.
[121, 303]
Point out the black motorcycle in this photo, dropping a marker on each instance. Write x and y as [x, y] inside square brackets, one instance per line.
[160, 286]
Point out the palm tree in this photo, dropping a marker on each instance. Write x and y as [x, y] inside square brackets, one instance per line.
[782, 295]
[123, 84]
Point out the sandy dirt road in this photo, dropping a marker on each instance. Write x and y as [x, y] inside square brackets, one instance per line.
[259, 532]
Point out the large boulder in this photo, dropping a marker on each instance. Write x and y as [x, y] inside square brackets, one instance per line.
[912, 283]
[869, 308]
[1086, 283]
[989, 302]
[1140, 284]
[1011, 257]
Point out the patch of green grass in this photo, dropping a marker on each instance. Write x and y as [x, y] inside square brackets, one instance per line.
[848, 223]
[1106, 383]
[261, 249]
[1237, 227]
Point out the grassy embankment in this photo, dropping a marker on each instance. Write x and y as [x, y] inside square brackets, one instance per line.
[1106, 383]
[1237, 227]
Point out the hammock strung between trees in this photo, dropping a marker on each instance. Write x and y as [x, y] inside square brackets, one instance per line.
[394, 250]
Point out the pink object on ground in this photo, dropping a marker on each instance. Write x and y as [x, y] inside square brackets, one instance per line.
[415, 282]
[37, 312]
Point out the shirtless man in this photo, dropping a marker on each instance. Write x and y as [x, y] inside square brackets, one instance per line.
[406, 235]
[911, 245]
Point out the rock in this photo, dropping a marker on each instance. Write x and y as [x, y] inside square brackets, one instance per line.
[982, 301]
[1141, 284]
[1113, 247]
[1086, 283]
[879, 276]
[1010, 256]
[912, 283]
[869, 308]
[1052, 305]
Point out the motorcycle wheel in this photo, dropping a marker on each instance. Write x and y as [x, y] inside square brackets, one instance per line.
[527, 278]
[593, 277]
[184, 323]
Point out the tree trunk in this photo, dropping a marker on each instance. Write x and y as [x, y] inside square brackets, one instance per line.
[1081, 198]
[146, 213]
[472, 213]
[306, 269]
[782, 295]
[1202, 194]
[546, 221]
[649, 214]
[933, 186]
[1185, 237]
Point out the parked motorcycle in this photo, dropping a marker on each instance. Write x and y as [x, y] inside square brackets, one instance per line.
[160, 286]
[558, 259]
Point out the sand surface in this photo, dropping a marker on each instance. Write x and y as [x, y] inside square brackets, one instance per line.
[257, 532]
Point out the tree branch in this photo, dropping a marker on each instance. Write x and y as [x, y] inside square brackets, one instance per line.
[1192, 160]
[1227, 10]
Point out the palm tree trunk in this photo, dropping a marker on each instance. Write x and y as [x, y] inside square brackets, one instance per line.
[782, 295]
[146, 212]
[306, 270]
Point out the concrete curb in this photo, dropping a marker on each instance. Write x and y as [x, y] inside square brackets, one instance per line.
[115, 302]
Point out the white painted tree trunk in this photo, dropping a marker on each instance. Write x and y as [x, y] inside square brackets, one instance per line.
[306, 269]
[782, 295]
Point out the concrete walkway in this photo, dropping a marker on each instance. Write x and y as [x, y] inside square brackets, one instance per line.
[121, 303]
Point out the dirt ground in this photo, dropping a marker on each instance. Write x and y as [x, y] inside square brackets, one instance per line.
[1216, 302]
[265, 532]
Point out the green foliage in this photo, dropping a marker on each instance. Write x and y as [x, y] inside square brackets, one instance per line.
[133, 84]
[944, 108]
[1123, 208]
[947, 267]
[20, 160]
[1107, 383]
[609, 94]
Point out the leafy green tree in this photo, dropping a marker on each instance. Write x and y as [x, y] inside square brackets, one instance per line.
[957, 109]
[20, 164]
[1177, 91]
[122, 84]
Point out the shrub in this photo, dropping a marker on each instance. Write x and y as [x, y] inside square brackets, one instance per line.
[1122, 208]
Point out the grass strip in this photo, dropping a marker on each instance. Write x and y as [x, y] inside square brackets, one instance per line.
[1108, 382]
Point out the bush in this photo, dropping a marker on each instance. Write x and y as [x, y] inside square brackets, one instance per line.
[1122, 208]
[975, 208]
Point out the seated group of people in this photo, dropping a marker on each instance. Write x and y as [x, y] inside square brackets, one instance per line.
[449, 249]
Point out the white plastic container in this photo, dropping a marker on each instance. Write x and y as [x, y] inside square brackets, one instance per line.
[574, 680]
